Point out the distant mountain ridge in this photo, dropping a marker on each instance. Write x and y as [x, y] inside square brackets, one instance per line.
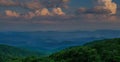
[54, 40]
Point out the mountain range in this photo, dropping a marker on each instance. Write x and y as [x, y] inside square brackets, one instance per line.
[107, 50]
[51, 41]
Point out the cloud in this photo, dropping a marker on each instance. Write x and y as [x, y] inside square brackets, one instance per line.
[56, 7]
[54, 3]
[29, 15]
[8, 3]
[37, 8]
[101, 7]
[96, 10]
[108, 5]
[58, 11]
[11, 13]
[44, 12]
[91, 22]
[32, 5]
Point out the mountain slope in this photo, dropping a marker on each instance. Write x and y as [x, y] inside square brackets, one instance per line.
[8, 53]
[107, 50]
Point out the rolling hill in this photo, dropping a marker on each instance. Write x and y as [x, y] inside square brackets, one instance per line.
[10, 52]
[107, 50]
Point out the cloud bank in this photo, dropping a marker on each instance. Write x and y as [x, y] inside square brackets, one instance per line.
[36, 7]
[108, 5]
[53, 8]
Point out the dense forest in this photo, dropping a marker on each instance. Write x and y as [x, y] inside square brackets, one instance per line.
[107, 50]
[11, 53]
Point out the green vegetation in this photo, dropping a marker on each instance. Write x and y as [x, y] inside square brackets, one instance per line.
[76, 54]
[107, 50]
[11, 53]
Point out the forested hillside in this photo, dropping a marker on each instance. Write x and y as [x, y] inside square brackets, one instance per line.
[10, 53]
[107, 50]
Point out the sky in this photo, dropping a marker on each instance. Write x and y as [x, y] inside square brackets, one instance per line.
[59, 15]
